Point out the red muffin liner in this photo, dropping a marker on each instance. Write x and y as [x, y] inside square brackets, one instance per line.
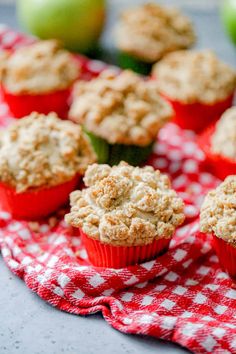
[219, 165]
[104, 255]
[36, 203]
[197, 116]
[23, 104]
[226, 253]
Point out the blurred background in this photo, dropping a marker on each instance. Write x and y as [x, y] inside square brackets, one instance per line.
[204, 14]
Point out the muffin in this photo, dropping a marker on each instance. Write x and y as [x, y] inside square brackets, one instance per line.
[218, 217]
[41, 161]
[126, 215]
[121, 114]
[199, 86]
[218, 142]
[146, 33]
[39, 78]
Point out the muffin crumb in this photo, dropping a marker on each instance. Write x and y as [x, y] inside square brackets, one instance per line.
[39, 68]
[122, 109]
[126, 205]
[218, 212]
[150, 31]
[195, 76]
[41, 150]
[223, 141]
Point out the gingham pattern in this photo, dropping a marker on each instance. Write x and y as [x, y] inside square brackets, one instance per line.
[182, 296]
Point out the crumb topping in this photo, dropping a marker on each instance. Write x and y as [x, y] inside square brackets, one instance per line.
[3, 58]
[218, 212]
[125, 205]
[150, 31]
[122, 109]
[41, 150]
[41, 67]
[223, 140]
[195, 76]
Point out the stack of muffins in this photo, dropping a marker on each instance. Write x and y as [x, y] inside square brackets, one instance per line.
[125, 214]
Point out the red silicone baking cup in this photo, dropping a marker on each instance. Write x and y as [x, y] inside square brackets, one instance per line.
[103, 255]
[226, 254]
[23, 104]
[37, 203]
[219, 165]
[197, 116]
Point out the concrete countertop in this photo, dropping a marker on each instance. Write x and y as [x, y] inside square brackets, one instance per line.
[29, 325]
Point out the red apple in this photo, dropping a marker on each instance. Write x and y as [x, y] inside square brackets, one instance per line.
[77, 23]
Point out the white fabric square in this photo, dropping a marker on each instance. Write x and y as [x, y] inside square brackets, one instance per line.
[168, 304]
[179, 290]
[200, 299]
[26, 260]
[148, 265]
[96, 280]
[52, 261]
[24, 234]
[220, 309]
[203, 270]
[219, 332]
[187, 263]
[78, 294]
[191, 282]
[208, 344]
[231, 294]
[58, 291]
[108, 292]
[147, 300]
[141, 285]
[171, 276]
[191, 328]
[146, 319]
[160, 288]
[127, 320]
[127, 297]
[179, 255]
[168, 322]
[187, 314]
[132, 280]
[208, 318]
[212, 287]
[63, 280]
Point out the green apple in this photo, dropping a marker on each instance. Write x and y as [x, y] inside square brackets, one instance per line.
[228, 14]
[77, 23]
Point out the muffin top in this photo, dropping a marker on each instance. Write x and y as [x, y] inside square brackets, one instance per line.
[122, 109]
[218, 212]
[195, 76]
[3, 58]
[149, 31]
[223, 141]
[41, 150]
[125, 205]
[41, 67]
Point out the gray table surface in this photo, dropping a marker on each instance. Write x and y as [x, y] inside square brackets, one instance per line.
[28, 325]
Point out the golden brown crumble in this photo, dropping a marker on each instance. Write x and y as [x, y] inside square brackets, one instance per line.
[41, 67]
[41, 150]
[195, 76]
[3, 58]
[125, 205]
[223, 140]
[150, 31]
[218, 212]
[122, 109]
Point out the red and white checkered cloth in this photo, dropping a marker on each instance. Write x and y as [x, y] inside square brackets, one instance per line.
[182, 296]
